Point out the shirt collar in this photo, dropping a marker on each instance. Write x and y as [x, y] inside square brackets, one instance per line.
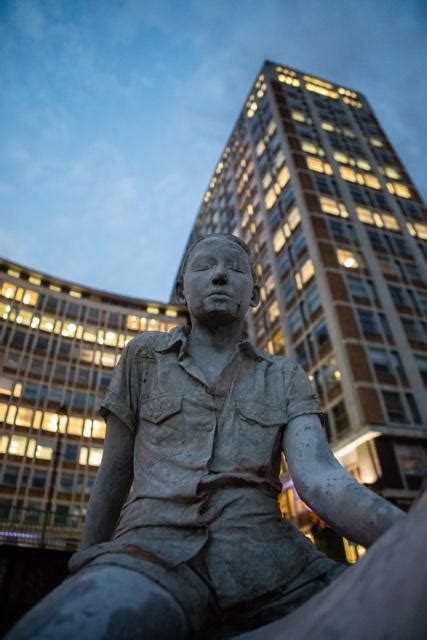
[178, 339]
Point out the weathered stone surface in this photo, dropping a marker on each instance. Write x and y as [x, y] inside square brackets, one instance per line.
[383, 597]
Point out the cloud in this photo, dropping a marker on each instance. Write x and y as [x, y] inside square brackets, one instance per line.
[114, 121]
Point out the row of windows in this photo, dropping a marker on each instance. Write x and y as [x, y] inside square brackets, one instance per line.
[50, 324]
[58, 306]
[50, 421]
[34, 448]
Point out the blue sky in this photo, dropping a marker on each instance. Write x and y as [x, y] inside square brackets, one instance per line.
[114, 113]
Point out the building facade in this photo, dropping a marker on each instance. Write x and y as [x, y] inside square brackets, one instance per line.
[59, 342]
[310, 181]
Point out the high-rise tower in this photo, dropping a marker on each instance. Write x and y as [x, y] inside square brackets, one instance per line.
[310, 181]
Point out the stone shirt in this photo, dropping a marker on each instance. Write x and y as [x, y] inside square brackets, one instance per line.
[207, 460]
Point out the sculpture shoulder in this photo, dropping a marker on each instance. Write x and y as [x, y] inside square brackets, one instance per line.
[145, 344]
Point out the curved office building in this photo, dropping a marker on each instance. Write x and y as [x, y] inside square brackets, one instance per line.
[59, 344]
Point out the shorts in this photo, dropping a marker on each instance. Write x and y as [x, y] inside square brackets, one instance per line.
[190, 585]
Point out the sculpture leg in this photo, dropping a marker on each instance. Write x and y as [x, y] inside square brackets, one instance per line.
[382, 597]
[104, 602]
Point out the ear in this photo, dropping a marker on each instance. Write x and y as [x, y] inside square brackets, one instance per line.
[179, 290]
[255, 296]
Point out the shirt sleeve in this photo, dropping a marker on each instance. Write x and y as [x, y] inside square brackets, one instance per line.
[301, 397]
[121, 397]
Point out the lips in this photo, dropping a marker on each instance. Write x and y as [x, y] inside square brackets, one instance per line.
[217, 294]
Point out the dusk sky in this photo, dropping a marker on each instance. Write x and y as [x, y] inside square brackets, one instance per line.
[114, 114]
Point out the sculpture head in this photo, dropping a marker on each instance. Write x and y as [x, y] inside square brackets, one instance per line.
[218, 280]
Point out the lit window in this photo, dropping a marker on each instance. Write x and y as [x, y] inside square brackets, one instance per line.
[10, 417]
[329, 205]
[371, 181]
[390, 222]
[108, 359]
[322, 91]
[298, 116]
[75, 294]
[278, 240]
[270, 198]
[273, 311]
[172, 313]
[24, 317]
[390, 172]
[279, 159]
[35, 280]
[328, 126]
[316, 164]
[50, 421]
[30, 297]
[153, 325]
[13, 273]
[341, 157]
[75, 426]
[43, 452]
[421, 230]
[362, 164]
[111, 338]
[266, 181]
[365, 215]
[6, 308]
[95, 456]
[69, 329]
[309, 147]
[54, 287]
[83, 455]
[4, 442]
[153, 310]
[375, 142]
[90, 335]
[283, 177]
[47, 323]
[347, 259]
[24, 417]
[17, 445]
[294, 218]
[399, 189]
[98, 429]
[260, 148]
[307, 271]
[8, 290]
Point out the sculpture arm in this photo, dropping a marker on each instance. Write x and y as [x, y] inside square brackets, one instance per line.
[112, 483]
[347, 506]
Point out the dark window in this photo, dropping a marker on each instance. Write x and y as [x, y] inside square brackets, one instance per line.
[413, 408]
[298, 245]
[394, 406]
[61, 514]
[312, 300]
[357, 287]
[295, 321]
[340, 417]
[283, 264]
[66, 482]
[5, 508]
[289, 291]
[321, 333]
[380, 360]
[10, 476]
[39, 479]
[368, 322]
[18, 340]
[71, 452]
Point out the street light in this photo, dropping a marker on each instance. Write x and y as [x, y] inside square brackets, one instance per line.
[61, 411]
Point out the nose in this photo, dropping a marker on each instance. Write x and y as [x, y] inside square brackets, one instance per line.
[220, 275]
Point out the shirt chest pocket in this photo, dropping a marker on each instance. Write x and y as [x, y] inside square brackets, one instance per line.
[162, 421]
[259, 430]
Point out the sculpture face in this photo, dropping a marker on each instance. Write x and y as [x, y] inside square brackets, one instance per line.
[218, 285]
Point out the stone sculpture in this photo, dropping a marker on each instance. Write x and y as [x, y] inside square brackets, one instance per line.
[183, 536]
